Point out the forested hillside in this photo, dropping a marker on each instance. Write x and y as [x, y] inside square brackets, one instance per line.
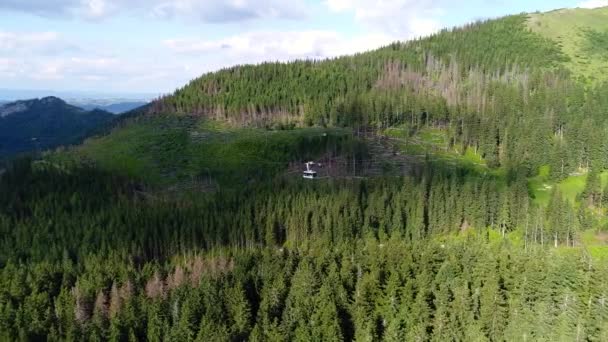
[494, 86]
[463, 197]
[40, 124]
[416, 258]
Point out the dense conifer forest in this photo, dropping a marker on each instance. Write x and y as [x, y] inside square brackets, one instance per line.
[394, 259]
[464, 200]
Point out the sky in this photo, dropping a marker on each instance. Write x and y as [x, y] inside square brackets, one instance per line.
[156, 46]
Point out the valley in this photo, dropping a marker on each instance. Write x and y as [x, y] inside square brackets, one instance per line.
[460, 195]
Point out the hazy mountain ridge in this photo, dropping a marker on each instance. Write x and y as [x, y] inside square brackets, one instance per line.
[117, 107]
[10, 95]
[39, 124]
[116, 103]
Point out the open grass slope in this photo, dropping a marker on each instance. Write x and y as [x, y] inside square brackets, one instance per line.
[582, 35]
[166, 150]
[433, 144]
[571, 187]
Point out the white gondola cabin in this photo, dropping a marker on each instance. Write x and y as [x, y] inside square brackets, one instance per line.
[309, 173]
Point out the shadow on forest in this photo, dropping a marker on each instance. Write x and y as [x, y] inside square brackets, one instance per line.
[83, 209]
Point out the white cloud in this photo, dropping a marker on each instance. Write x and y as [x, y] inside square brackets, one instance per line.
[34, 44]
[205, 10]
[62, 8]
[401, 19]
[49, 59]
[261, 46]
[95, 9]
[94, 63]
[11, 41]
[9, 67]
[95, 78]
[279, 46]
[339, 5]
[14, 68]
[593, 4]
[47, 71]
[92, 73]
[228, 10]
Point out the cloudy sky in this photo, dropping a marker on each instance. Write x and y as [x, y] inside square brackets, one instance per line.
[154, 46]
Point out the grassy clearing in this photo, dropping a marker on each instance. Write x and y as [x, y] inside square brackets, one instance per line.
[599, 253]
[126, 151]
[433, 143]
[397, 132]
[572, 186]
[234, 154]
[514, 238]
[596, 244]
[582, 35]
[592, 244]
[604, 179]
[541, 186]
[590, 238]
[472, 157]
[166, 150]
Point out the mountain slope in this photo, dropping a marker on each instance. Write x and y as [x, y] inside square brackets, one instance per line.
[234, 245]
[582, 35]
[35, 125]
[313, 92]
[493, 90]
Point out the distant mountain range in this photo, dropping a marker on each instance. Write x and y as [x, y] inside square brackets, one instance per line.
[118, 107]
[19, 94]
[39, 124]
[116, 103]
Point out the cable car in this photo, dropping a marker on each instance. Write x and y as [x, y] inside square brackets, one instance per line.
[309, 173]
